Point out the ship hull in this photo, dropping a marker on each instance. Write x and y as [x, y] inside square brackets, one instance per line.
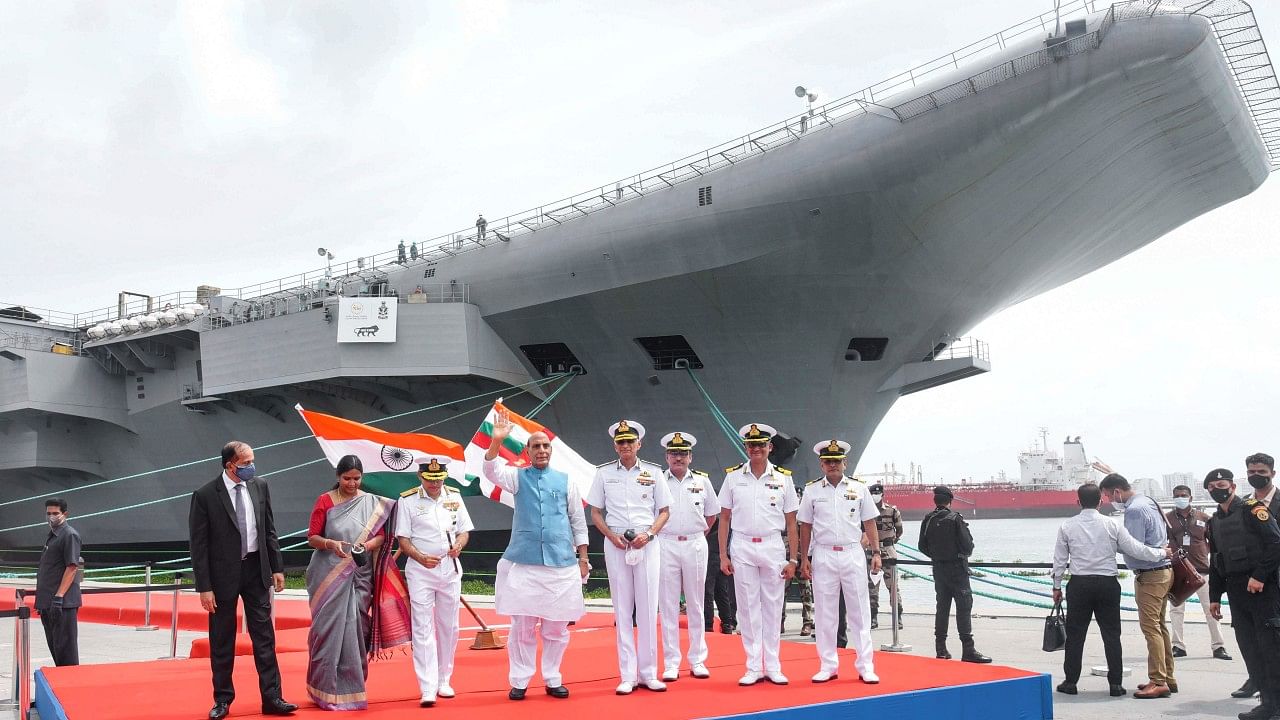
[909, 231]
[989, 503]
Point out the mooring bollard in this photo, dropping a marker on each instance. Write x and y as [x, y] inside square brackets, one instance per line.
[897, 645]
[146, 601]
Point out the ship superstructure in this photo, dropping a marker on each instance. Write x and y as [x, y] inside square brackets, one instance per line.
[806, 275]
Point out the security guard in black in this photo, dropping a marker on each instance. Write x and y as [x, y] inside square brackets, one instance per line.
[1245, 542]
[945, 538]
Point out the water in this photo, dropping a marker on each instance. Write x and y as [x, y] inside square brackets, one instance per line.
[994, 540]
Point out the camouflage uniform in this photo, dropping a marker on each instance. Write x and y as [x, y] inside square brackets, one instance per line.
[806, 595]
[889, 528]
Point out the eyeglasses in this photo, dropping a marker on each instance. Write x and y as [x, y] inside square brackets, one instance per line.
[678, 453]
[624, 442]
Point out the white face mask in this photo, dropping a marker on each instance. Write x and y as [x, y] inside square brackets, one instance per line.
[1182, 503]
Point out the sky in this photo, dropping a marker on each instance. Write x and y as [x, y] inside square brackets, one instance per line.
[155, 146]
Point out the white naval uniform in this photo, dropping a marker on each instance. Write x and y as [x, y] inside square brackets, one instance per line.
[538, 595]
[836, 513]
[758, 550]
[433, 592]
[694, 506]
[631, 499]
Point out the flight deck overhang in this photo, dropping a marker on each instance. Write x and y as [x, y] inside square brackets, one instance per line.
[960, 361]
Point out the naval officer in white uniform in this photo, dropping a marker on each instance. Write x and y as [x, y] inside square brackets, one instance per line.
[836, 511]
[432, 526]
[694, 509]
[758, 502]
[539, 583]
[629, 502]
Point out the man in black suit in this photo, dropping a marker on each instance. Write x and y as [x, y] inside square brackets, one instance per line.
[235, 553]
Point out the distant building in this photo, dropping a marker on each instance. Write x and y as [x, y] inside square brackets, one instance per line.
[1172, 480]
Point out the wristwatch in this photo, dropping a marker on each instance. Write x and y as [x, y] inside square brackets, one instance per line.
[875, 552]
[792, 562]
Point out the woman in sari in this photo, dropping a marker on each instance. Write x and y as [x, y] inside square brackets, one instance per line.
[358, 600]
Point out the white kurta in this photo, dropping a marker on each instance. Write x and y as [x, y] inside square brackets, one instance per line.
[550, 593]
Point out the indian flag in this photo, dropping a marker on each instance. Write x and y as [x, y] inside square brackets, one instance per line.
[563, 458]
[390, 459]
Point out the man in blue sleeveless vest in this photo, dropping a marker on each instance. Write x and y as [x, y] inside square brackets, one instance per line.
[539, 580]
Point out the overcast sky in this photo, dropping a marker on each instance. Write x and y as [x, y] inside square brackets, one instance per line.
[153, 147]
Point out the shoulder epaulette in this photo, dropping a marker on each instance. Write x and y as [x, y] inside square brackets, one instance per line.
[1259, 511]
[453, 490]
[409, 492]
[699, 472]
[1251, 501]
[814, 481]
[735, 467]
[782, 470]
[606, 462]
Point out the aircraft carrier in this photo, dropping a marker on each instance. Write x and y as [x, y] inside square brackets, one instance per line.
[805, 275]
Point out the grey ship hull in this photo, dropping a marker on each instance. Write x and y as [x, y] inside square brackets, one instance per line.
[911, 231]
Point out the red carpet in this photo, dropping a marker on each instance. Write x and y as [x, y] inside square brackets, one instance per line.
[181, 688]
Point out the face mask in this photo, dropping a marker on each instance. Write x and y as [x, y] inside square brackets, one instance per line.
[1259, 481]
[1118, 504]
[56, 521]
[1220, 495]
[1182, 503]
[877, 497]
[246, 473]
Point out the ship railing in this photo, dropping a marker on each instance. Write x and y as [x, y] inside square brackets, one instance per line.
[306, 299]
[43, 343]
[965, 347]
[1234, 26]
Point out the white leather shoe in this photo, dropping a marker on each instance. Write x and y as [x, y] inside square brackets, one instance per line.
[823, 676]
[624, 688]
[670, 675]
[869, 677]
[427, 701]
[700, 671]
[776, 677]
[654, 684]
[750, 678]
[445, 691]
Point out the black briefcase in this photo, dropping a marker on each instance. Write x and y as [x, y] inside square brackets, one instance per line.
[1055, 630]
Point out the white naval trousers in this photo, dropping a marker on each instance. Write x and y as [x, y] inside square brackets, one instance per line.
[759, 587]
[522, 649]
[684, 568]
[635, 588]
[836, 571]
[434, 597]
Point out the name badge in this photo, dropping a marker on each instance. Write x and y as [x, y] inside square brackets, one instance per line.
[1186, 539]
[1200, 523]
[821, 499]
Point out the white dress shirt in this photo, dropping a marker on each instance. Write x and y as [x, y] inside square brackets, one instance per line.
[1088, 543]
[758, 504]
[250, 517]
[836, 512]
[631, 498]
[429, 523]
[693, 501]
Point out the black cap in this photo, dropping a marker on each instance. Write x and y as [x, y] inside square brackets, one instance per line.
[876, 488]
[944, 490]
[1219, 474]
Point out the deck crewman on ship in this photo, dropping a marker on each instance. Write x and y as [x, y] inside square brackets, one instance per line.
[694, 509]
[758, 503]
[945, 538]
[1246, 553]
[630, 502]
[835, 513]
[538, 580]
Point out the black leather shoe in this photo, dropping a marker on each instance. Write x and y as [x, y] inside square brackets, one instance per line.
[219, 711]
[1067, 688]
[1179, 652]
[943, 654]
[1262, 712]
[277, 706]
[561, 692]
[1247, 690]
[1118, 691]
[973, 656]
[516, 694]
[1221, 654]
[875, 622]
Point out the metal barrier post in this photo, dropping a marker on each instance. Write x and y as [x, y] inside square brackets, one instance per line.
[146, 602]
[173, 620]
[897, 645]
[17, 643]
[22, 693]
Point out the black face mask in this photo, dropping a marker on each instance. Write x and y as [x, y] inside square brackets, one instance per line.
[1259, 481]
[1220, 495]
